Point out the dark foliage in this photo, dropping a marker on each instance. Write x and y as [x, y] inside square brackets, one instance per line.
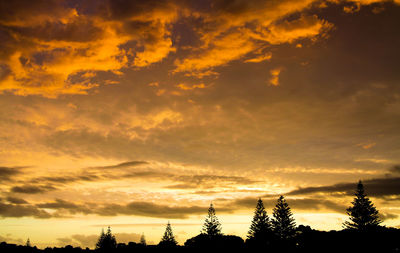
[363, 215]
[260, 234]
[206, 242]
[143, 240]
[283, 222]
[106, 242]
[168, 240]
[260, 224]
[211, 226]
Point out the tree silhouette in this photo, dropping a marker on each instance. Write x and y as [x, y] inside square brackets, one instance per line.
[143, 240]
[283, 223]
[363, 214]
[261, 225]
[106, 241]
[168, 240]
[28, 243]
[211, 226]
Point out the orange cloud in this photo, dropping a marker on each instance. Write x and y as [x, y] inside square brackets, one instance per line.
[274, 80]
[49, 54]
[183, 86]
[50, 69]
[367, 145]
[225, 49]
[289, 31]
[260, 58]
[50, 49]
[231, 38]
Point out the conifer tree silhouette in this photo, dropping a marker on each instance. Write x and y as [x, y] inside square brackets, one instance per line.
[283, 223]
[100, 240]
[106, 241]
[261, 225]
[168, 240]
[28, 243]
[143, 240]
[363, 215]
[211, 226]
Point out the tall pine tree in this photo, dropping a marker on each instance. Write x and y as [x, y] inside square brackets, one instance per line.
[211, 226]
[28, 243]
[106, 241]
[143, 240]
[363, 214]
[168, 240]
[283, 223]
[261, 225]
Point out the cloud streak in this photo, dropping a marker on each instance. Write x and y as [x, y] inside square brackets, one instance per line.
[377, 187]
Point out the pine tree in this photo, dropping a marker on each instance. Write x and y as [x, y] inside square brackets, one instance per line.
[100, 240]
[211, 226]
[363, 214]
[283, 223]
[168, 240]
[106, 241]
[28, 243]
[143, 240]
[261, 225]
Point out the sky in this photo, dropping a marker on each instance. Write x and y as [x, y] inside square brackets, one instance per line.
[131, 114]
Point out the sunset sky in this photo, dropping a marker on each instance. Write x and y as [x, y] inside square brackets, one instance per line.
[131, 114]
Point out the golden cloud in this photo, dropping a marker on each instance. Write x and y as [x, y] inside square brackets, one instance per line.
[51, 49]
[230, 38]
[260, 58]
[58, 54]
[274, 80]
[184, 86]
[225, 49]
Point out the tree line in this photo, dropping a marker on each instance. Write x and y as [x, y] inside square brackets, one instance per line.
[277, 233]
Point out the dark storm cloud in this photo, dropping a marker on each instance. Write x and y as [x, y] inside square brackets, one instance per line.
[13, 11]
[378, 187]
[66, 179]
[307, 204]
[137, 208]
[395, 169]
[124, 165]
[121, 172]
[6, 173]
[387, 216]
[124, 9]
[12, 210]
[32, 189]
[58, 204]
[17, 201]
[150, 210]
[68, 207]
[191, 181]
[209, 181]
[80, 30]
